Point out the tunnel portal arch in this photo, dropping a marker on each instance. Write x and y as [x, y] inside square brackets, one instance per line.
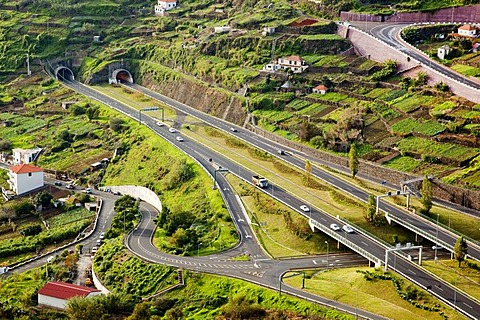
[122, 75]
[64, 73]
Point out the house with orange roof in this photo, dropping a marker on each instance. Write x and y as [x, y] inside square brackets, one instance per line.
[320, 89]
[294, 63]
[24, 178]
[55, 294]
[467, 30]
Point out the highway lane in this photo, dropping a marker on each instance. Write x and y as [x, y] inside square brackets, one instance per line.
[298, 160]
[361, 240]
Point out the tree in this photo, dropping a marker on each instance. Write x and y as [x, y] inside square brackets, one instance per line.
[460, 250]
[353, 159]
[92, 112]
[372, 208]
[426, 192]
[308, 170]
[24, 209]
[42, 198]
[116, 124]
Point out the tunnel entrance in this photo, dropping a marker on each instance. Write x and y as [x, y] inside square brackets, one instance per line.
[122, 76]
[63, 73]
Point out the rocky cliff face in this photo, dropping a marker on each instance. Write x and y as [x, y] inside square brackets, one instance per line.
[202, 96]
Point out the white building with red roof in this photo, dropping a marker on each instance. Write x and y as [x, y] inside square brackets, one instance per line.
[294, 63]
[320, 89]
[24, 178]
[56, 294]
[467, 30]
[165, 5]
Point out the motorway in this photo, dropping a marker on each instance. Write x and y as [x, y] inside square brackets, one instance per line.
[410, 270]
[444, 236]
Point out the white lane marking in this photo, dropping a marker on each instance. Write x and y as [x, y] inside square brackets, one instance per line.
[314, 262]
[411, 271]
[365, 243]
[467, 305]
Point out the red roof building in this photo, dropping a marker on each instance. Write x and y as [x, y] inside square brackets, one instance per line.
[467, 30]
[320, 89]
[25, 168]
[24, 178]
[56, 294]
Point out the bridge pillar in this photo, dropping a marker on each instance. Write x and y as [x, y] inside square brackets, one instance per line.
[387, 217]
[311, 225]
[418, 238]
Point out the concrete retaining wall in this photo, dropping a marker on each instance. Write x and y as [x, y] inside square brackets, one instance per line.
[140, 192]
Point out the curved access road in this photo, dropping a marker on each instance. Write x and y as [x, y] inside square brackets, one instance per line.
[389, 33]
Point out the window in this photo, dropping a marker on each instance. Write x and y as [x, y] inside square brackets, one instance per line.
[29, 174]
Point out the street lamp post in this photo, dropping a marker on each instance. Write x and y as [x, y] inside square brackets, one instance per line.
[436, 239]
[326, 242]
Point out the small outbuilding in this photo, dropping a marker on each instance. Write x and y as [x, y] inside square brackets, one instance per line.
[443, 52]
[320, 89]
[55, 294]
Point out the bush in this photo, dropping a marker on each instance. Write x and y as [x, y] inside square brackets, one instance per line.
[31, 230]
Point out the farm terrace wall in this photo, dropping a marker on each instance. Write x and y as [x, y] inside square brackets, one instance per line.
[465, 197]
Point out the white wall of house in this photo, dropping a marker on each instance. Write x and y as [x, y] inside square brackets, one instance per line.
[467, 33]
[51, 301]
[24, 155]
[25, 182]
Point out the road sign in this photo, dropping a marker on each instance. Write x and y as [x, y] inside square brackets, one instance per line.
[150, 109]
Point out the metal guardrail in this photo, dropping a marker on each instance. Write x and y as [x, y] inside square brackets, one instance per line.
[421, 232]
[345, 241]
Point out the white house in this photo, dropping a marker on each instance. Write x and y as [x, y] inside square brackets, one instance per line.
[24, 178]
[443, 52]
[467, 31]
[25, 155]
[222, 29]
[165, 5]
[56, 294]
[294, 63]
[320, 89]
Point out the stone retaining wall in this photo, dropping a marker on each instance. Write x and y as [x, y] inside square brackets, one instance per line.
[454, 14]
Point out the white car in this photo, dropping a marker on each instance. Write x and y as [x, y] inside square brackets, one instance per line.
[233, 129]
[179, 139]
[160, 124]
[172, 130]
[347, 229]
[304, 208]
[102, 235]
[334, 227]
[437, 247]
